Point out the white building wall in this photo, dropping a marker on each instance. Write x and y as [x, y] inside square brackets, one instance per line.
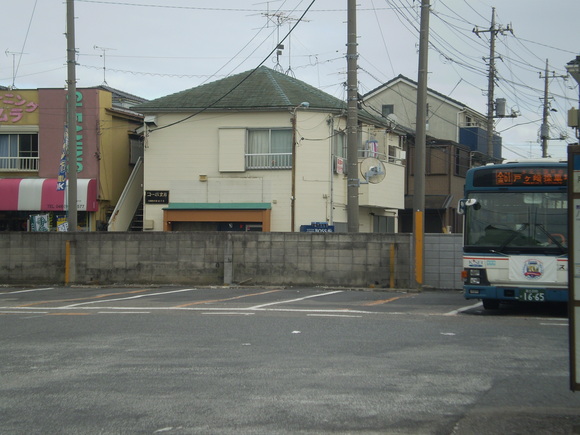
[185, 159]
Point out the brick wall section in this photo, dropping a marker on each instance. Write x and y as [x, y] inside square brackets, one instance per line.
[192, 258]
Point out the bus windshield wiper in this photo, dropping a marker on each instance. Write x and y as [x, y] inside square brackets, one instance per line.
[551, 238]
[512, 237]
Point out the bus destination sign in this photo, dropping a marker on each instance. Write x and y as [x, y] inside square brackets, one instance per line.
[515, 177]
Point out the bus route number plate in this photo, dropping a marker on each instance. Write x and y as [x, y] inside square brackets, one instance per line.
[532, 295]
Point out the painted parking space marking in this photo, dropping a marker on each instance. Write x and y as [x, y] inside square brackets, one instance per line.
[27, 291]
[385, 301]
[132, 297]
[211, 301]
[32, 304]
[257, 307]
[461, 310]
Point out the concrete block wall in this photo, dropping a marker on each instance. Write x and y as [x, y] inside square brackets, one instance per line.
[320, 259]
[215, 258]
[443, 261]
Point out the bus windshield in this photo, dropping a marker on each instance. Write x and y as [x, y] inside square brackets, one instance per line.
[516, 222]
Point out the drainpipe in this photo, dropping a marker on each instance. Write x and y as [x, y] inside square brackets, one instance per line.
[305, 105]
[293, 193]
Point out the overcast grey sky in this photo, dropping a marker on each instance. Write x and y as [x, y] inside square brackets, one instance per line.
[153, 48]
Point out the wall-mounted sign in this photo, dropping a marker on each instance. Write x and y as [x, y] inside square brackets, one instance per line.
[317, 227]
[157, 197]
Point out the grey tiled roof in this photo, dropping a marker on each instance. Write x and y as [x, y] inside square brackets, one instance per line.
[260, 89]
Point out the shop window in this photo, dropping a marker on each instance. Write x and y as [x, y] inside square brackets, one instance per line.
[19, 152]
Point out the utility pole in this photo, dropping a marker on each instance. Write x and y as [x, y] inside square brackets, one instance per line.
[421, 145]
[71, 117]
[493, 31]
[353, 182]
[545, 128]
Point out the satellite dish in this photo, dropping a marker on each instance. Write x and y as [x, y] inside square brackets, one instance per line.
[372, 170]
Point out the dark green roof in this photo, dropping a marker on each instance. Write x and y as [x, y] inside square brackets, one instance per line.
[260, 89]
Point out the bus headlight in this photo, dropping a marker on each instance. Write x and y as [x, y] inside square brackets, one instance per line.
[475, 276]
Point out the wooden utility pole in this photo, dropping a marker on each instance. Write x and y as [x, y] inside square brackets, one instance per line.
[71, 117]
[421, 146]
[353, 182]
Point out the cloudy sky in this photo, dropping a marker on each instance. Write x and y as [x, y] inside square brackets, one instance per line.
[152, 48]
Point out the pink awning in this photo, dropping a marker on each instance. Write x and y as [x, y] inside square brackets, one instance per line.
[40, 194]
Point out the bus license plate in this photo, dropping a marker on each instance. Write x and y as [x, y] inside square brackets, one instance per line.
[532, 295]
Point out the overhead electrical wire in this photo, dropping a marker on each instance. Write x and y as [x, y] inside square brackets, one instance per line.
[241, 81]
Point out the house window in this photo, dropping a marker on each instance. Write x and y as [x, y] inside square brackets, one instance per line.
[383, 224]
[269, 149]
[387, 109]
[339, 150]
[19, 152]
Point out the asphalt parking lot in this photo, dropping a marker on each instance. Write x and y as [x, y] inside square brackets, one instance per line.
[183, 360]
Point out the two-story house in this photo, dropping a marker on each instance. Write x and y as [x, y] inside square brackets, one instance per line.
[32, 125]
[456, 140]
[263, 151]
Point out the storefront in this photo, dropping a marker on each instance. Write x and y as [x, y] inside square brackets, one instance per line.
[217, 217]
[35, 204]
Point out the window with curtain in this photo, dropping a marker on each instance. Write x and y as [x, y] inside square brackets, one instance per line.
[339, 150]
[19, 151]
[269, 148]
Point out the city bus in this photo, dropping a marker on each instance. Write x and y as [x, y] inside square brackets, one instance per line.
[515, 234]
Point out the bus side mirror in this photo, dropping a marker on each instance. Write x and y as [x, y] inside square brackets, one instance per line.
[464, 203]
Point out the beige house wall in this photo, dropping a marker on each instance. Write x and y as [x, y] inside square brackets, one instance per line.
[201, 160]
[444, 116]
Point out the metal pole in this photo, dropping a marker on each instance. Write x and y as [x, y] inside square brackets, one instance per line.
[71, 117]
[353, 182]
[421, 145]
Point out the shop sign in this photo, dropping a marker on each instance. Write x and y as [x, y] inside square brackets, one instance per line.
[157, 197]
[14, 106]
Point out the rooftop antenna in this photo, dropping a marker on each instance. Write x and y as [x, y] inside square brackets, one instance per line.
[13, 54]
[279, 19]
[104, 56]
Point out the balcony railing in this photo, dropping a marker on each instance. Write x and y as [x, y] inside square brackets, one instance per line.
[269, 161]
[18, 164]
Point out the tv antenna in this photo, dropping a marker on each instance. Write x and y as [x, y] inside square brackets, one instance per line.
[372, 170]
[13, 54]
[279, 19]
[104, 56]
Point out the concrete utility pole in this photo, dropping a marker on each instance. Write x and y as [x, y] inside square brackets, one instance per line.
[353, 181]
[545, 128]
[71, 116]
[421, 145]
[493, 31]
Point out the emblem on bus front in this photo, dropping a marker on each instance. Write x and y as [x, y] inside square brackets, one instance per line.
[533, 269]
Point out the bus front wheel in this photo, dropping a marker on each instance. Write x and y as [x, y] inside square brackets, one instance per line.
[490, 304]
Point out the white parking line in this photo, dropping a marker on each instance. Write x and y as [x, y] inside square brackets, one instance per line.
[461, 310]
[131, 297]
[124, 312]
[257, 307]
[331, 315]
[27, 291]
